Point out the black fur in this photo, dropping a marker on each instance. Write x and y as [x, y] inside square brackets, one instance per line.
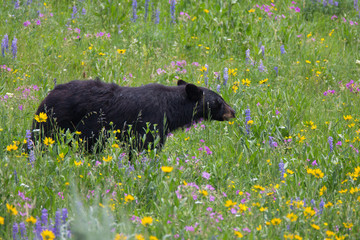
[89, 106]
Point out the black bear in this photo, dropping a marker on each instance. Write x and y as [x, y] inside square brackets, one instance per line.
[92, 107]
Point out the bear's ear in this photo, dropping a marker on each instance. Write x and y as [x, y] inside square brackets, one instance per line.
[181, 82]
[193, 92]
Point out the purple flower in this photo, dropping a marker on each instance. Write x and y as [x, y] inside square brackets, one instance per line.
[146, 9]
[15, 230]
[263, 50]
[282, 169]
[314, 163]
[282, 49]
[209, 209]
[189, 228]
[247, 119]
[261, 67]
[23, 230]
[4, 45]
[28, 139]
[218, 88]
[247, 58]
[157, 16]
[225, 76]
[321, 206]
[14, 47]
[276, 70]
[64, 215]
[57, 225]
[331, 144]
[172, 10]
[44, 217]
[333, 17]
[205, 175]
[17, 4]
[74, 12]
[27, 23]
[134, 6]
[38, 22]
[233, 211]
[206, 78]
[83, 11]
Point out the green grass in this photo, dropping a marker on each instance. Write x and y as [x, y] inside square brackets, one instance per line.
[321, 55]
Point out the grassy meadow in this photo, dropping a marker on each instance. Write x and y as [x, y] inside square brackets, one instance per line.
[287, 167]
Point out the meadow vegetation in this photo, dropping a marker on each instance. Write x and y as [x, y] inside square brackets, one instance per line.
[287, 167]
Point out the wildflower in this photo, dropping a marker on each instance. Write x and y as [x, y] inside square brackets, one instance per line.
[261, 67]
[129, 198]
[308, 212]
[121, 51]
[134, 16]
[276, 70]
[74, 12]
[26, 23]
[172, 10]
[31, 219]
[77, 163]
[48, 141]
[157, 16]
[315, 226]
[11, 209]
[206, 175]
[15, 230]
[247, 119]
[108, 159]
[282, 49]
[225, 76]
[14, 47]
[262, 48]
[292, 217]
[348, 225]
[153, 238]
[238, 234]
[166, 169]
[146, 9]
[247, 58]
[5, 44]
[321, 206]
[275, 221]
[12, 147]
[246, 82]
[206, 78]
[47, 235]
[218, 88]
[146, 221]
[83, 11]
[315, 172]
[206, 11]
[42, 117]
[2, 221]
[120, 237]
[331, 144]
[230, 203]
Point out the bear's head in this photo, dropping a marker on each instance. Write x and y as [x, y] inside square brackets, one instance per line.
[209, 104]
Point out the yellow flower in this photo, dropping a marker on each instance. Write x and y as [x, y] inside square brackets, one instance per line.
[308, 212]
[108, 159]
[348, 225]
[230, 203]
[166, 169]
[297, 237]
[77, 163]
[48, 141]
[139, 237]
[301, 138]
[246, 82]
[292, 217]
[238, 234]
[120, 237]
[153, 238]
[315, 226]
[146, 221]
[31, 219]
[315, 172]
[262, 209]
[258, 228]
[322, 190]
[204, 192]
[11, 147]
[77, 132]
[275, 221]
[206, 11]
[11, 209]
[121, 51]
[42, 117]
[47, 235]
[263, 81]
[250, 122]
[129, 198]
[251, 10]
[193, 19]
[307, 61]
[330, 233]
[1, 221]
[203, 69]
[115, 145]
[242, 207]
